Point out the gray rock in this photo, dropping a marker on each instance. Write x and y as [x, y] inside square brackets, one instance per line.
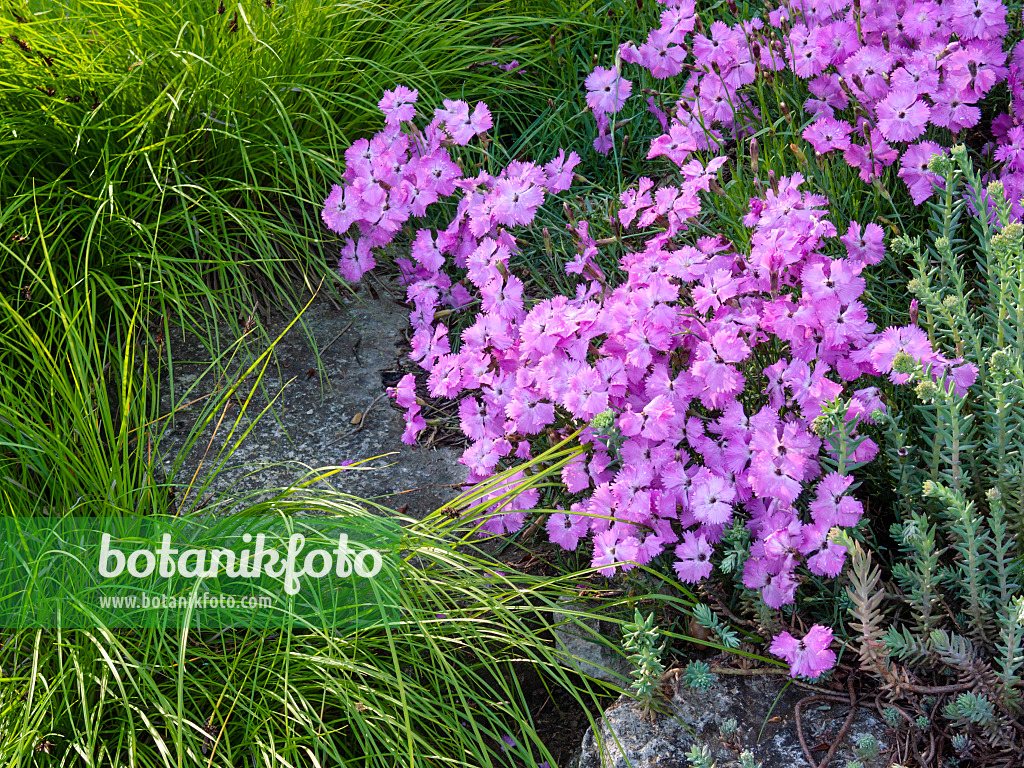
[761, 705]
[589, 646]
[310, 423]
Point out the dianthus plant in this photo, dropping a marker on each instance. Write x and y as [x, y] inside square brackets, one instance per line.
[879, 74]
[687, 434]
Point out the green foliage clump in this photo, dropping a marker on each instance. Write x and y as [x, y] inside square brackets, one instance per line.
[867, 747]
[640, 638]
[699, 756]
[959, 475]
[698, 675]
[444, 679]
[196, 143]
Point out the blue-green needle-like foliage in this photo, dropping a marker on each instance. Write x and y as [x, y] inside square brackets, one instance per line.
[640, 638]
[959, 475]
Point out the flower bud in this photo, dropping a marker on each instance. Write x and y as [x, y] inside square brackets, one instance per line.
[603, 420]
[940, 164]
[959, 153]
[927, 391]
[1000, 361]
[1007, 244]
[903, 363]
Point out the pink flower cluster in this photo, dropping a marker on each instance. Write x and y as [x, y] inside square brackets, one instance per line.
[878, 72]
[1008, 132]
[687, 434]
[396, 176]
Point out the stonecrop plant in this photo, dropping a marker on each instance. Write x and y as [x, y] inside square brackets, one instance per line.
[640, 640]
[708, 383]
[960, 480]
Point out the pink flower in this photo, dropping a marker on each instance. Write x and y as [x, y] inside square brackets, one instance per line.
[711, 498]
[694, 556]
[340, 209]
[566, 530]
[963, 377]
[828, 561]
[668, 334]
[607, 90]
[954, 109]
[516, 201]
[781, 590]
[560, 171]
[808, 657]
[676, 145]
[397, 105]
[827, 134]
[610, 552]
[831, 507]
[978, 19]
[902, 116]
[807, 56]
[356, 259]
[911, 340]
[405, 391]
[865, 245]
[659, 56]
[414, 424]
[460, 124]
[921, 20]
[425, 252]
[505, 298]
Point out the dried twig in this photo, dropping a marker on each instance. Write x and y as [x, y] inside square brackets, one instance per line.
[754, 671]
[362, 421]
[842, 731]
[340, 334]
